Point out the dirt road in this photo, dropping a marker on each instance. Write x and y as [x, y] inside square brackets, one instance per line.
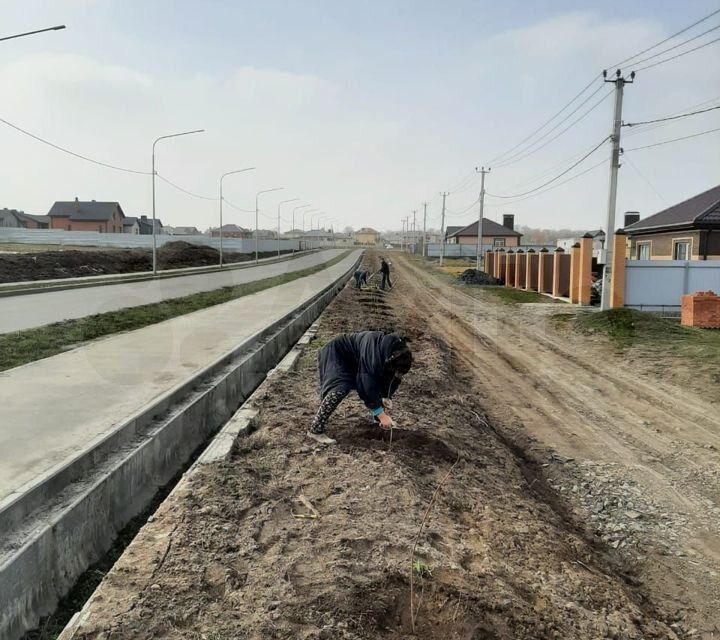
[635, 455]
[235, 553]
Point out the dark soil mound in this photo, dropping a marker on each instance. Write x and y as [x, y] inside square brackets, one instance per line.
[473, 276]
[178, 254]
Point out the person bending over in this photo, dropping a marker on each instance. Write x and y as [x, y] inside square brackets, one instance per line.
[361, 276]
[369, 362]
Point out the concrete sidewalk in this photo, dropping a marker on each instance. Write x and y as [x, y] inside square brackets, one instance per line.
[53, 409]
[37, 309]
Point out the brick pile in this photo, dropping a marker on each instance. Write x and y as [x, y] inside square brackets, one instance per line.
[701, 310]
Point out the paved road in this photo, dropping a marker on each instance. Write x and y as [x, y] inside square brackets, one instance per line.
[52, 409]
[37, 309]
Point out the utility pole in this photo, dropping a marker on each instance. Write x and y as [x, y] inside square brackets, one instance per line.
[482, 171]
[402, 236]
[444, 195]
[425, 204]
[414, 235]
[619, 82]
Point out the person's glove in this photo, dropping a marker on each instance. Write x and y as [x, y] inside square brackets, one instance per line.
[386, 422]
[387, 403]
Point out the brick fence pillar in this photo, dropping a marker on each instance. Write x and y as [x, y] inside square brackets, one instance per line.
[617, 275]
[585, 270]
[531, 271]
[701, 310]
[575, 273]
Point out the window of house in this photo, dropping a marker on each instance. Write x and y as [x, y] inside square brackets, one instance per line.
[681, 250]
[643, 251]
[498, 242]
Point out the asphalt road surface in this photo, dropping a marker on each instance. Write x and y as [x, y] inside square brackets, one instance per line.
[38, 309]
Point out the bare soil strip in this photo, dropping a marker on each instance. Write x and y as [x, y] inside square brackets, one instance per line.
[235, 552]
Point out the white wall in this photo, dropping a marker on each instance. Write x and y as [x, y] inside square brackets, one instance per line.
[129, 240]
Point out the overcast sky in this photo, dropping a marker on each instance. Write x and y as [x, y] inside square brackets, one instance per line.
[364, 109]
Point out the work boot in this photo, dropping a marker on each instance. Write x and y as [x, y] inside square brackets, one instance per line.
[321, 438]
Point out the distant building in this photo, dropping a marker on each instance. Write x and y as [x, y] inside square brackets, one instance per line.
[494, 234]
[142, 226]
[22, 220]
[231, 231]
[131, 225]
[598, 242]
[182, 231]
[103, 217]
[265, 234]
[689, 230]
[366, 235]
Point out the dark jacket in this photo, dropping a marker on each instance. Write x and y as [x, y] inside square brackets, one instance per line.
[357, 361]
[384, 267]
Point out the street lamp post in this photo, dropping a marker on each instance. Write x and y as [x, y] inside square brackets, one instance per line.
[312, 223]
[229, 173]
[154, 241]
[257, 211]
[278, 228]
[32, 33]
[302, 206]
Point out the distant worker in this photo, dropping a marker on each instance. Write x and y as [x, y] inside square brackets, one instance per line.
[369, 362]
[361, 276]
[385, 270]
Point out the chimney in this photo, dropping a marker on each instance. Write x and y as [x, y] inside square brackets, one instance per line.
[143, 218]
[631, 217]
[509, 220]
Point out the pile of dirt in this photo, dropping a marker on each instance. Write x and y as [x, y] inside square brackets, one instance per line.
[473, 276]
[47, 265]
[444, 532]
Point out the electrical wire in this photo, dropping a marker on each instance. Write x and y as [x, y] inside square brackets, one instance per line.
[72, 153]
[657, 44]
[644, 177]
[547, 122]
[679, 55]
[658, 144]
[561, 132]
[682, 115]
[680, 44]
[560, 175]
[179, 188]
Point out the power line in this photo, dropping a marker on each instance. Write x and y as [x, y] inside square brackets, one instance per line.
[498, 158]
[679, 55]
[658, 144]
[682, 115]
[644, 177]
[190, 193]
[680, 44]
[561, 132]
[657, 44]
[560, 175]
[72, 153]
[547, 122]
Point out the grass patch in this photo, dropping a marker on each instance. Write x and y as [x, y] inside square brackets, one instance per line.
[26, 346]
[515, 296]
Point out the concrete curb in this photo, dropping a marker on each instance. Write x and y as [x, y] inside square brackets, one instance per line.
[243, 422]
[54, 532]
[43, 286]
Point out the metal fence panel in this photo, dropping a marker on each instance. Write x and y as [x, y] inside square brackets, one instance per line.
[128, 240]
[656, 284]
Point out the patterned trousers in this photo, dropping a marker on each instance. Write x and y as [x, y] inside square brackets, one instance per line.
[328, 405]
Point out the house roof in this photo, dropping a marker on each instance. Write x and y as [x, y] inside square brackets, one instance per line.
[21, 216]
[701, 210]
[185, 230]
[232, 228]
[80, 210]
[451, 231]
[367, 230]
[490, 228]
[129, 221]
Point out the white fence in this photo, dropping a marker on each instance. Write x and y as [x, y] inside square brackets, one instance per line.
[656, 285]
[470, 250]
[129, 240]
